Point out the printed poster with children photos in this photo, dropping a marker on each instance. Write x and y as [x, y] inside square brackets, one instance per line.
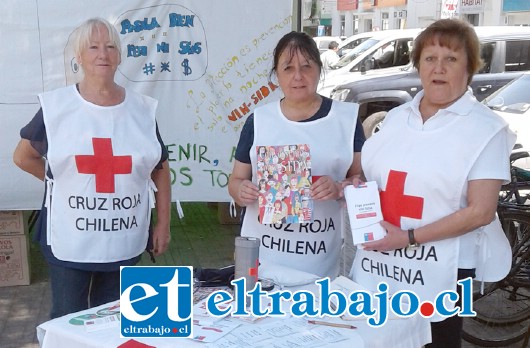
[284, 183]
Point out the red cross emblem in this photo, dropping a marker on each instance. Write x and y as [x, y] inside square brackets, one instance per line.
[395, 203]
[103, 164]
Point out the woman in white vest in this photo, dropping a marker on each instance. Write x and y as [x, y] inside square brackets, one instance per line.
[439, 162]
[334, 137]
[96, 146]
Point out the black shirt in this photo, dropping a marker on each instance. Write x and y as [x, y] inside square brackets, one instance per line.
[247, 133]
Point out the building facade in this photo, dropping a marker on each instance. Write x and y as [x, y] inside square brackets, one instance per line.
[348, 17]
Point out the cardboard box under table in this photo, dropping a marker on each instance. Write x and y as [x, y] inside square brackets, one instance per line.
[14, 249]
[12, 223]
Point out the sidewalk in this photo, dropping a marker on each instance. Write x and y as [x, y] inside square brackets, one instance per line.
[198, 240]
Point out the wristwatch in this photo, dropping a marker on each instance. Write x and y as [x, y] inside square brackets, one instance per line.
[413, 245]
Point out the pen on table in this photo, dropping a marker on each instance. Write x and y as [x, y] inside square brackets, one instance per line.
[332, 305]
[327, 323]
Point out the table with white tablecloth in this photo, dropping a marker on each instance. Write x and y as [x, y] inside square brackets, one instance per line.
[72, 331]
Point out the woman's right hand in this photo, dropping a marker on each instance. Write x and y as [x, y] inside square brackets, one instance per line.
[241, 189]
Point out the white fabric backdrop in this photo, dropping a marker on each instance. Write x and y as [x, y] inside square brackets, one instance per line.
[207, 62]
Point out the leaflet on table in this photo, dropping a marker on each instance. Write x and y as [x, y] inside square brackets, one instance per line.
[211, 332]
[285, 333]
[265, 305]
[100, 320]
[284, 181]
[202, 315]
[364, 210]
[102, 323]
[298, 332]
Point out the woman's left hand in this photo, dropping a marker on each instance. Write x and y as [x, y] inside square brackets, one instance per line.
[395, 238]
[161, 239]
[325, 188]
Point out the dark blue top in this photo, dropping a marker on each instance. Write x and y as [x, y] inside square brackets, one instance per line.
[247, 133]
[35, 132]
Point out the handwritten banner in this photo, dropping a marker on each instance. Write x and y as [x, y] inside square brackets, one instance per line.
[207, 62]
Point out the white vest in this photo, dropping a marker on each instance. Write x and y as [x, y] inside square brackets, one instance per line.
[310, 247]
[424, 177]
[101, 158]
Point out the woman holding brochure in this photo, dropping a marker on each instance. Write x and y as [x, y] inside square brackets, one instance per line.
[439, 162]
[334, 137]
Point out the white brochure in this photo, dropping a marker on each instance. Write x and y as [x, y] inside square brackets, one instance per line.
[364, 209]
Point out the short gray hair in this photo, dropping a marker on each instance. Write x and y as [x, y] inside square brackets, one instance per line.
[84, 33]
[333, 44]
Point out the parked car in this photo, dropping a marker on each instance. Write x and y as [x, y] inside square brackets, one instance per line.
[323, 42]
[512, 102]
[505, 51]
[366, 57]
[353, 41]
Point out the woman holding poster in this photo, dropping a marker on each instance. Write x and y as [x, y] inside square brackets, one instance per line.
[439, 162]
[334, 137]
[96, 146]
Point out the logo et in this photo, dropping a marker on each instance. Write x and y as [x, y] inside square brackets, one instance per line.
[156, 301]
